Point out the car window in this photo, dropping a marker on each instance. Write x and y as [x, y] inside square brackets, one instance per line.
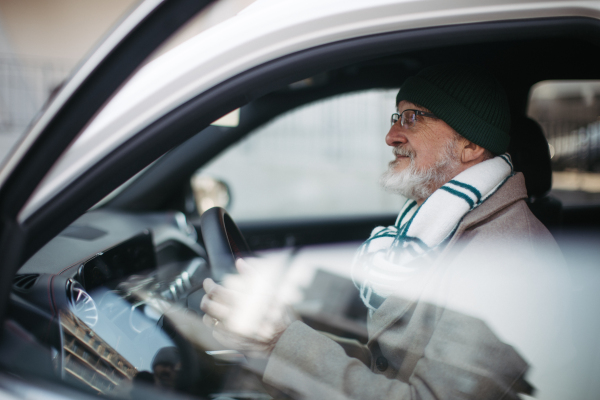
[322, 159]
[569, 113]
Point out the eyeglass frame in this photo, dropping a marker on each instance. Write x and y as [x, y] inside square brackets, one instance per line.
[400, 116]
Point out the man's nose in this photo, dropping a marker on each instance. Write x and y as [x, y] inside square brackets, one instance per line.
[395, 136]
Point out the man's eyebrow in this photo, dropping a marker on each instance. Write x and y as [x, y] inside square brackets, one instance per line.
[421, 108]
[415, 106]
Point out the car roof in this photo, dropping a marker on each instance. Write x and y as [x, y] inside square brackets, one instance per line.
[263, 32]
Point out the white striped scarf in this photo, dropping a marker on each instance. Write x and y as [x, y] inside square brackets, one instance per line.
[393, 255]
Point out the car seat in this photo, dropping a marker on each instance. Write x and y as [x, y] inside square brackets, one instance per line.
[531, 156]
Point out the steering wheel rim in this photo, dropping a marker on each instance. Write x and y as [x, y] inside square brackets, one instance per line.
[223, 241]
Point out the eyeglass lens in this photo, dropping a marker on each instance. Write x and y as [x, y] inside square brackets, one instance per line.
[406, 117]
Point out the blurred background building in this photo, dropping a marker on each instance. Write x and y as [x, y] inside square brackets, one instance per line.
[41, 41]
[569, 113]
[38, 50]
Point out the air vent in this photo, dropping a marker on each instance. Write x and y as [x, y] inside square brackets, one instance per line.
[82, 305]
[25, 282]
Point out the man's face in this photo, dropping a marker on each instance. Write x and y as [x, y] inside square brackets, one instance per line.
[166, 374]
[427, 155]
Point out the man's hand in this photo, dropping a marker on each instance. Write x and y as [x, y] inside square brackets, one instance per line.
[244, 313]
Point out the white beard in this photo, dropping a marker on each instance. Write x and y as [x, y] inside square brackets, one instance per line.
[419, 184]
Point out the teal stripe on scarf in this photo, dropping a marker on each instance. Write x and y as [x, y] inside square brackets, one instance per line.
[459, 194]
[410, 207]
[507, 160]
[476, 192]
[379, 237]
[418, 242]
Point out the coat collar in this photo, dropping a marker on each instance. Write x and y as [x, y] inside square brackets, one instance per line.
[512, 191]
[392, 309]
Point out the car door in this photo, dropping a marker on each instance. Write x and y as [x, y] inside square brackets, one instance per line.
[25, 231]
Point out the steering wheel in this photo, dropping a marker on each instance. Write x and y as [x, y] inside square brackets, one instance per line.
[223, 241]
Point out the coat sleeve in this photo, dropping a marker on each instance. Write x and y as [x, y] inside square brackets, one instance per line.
[463, 360]
[309, 365]
[352, 347]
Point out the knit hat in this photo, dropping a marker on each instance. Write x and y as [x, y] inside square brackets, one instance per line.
[468, 99]
[166, 355]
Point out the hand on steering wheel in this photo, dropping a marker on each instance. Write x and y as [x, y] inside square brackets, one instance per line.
[244, 313]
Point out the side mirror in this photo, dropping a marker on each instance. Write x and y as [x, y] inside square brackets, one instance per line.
[209, 192]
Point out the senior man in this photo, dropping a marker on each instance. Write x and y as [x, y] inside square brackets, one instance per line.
[443, 286]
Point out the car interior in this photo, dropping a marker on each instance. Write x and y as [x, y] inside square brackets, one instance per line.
[76, 314]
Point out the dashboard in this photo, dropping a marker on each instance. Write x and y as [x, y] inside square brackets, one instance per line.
[96, 298]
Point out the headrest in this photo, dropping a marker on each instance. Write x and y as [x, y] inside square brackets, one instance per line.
[531, 155]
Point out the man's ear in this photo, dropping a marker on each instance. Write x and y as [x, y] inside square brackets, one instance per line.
[471, 152]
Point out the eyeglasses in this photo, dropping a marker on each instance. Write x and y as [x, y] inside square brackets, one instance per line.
[408, 118]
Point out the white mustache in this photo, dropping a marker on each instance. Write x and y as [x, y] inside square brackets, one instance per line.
[403, 152]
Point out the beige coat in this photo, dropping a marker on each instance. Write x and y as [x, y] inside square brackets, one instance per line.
[442, 340]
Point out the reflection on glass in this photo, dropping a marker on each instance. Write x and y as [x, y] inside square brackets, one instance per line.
[90, 360]
[166, 366]
[127, 342]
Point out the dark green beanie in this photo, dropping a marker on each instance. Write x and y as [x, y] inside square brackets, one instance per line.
[468, 99]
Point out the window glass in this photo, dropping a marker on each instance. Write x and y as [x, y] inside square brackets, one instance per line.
[322, 159]
[569, 113]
